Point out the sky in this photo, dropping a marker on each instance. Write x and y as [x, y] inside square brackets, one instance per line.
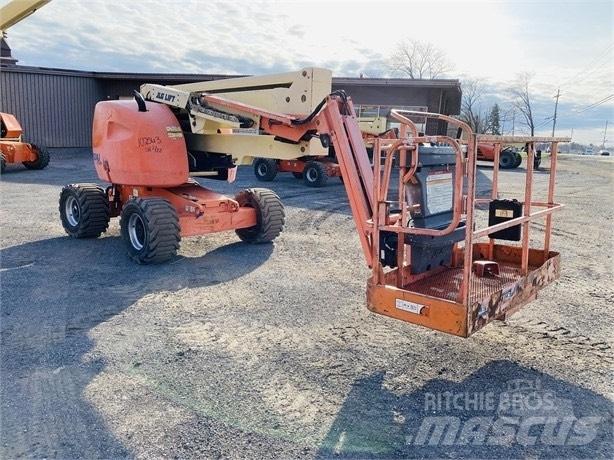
[563, 44]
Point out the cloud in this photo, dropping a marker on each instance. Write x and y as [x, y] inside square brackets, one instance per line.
[566, 46]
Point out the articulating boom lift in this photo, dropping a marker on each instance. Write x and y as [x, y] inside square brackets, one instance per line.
[12, 147]
[428, 267]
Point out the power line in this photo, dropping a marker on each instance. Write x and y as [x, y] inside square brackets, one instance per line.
[592, 63]
[596, 104]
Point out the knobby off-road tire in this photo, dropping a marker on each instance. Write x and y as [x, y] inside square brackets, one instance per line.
[518, 161]
[269, 211]
[150, 229]
[265, 169]
[507, 160]
[42, 159]
[84, 210]
[315, 174]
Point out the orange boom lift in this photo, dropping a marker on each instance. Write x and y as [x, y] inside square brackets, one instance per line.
[430, 265]
[14, 150]
[12, 147]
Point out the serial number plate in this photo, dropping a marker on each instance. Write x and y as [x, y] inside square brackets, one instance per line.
[409, 306]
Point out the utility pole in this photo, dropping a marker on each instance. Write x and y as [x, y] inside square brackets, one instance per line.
[605, 132]
[556, 106]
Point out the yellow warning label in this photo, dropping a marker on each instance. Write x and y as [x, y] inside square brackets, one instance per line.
[174, 132]
[507, 213]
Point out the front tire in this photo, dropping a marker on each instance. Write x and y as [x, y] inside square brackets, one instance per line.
[84, 210]
[150, 229]
[269, 212]
[265, 169]
[507, 160]
[315, 174]
[42, 159]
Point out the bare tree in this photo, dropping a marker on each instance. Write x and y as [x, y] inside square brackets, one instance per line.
[522, 100]
[471, 106]
[419, 60]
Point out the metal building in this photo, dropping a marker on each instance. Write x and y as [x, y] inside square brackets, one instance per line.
[56, 106]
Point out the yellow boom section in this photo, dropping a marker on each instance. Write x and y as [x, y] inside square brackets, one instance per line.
[17, 10]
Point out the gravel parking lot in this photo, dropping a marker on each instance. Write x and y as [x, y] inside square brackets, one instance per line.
[268, 351]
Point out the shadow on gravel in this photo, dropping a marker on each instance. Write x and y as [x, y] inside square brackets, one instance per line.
[503, 410]
[53, 292]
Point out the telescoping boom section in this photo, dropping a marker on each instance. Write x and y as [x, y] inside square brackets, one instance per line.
[417, 225]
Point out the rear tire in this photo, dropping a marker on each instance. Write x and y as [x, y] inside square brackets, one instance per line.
[537, 159]
[265, 169]
[507, 160]
[2, 164]
[84, 210]
[42, 159]
[269, 211]
[518, 161]
[297, 175]
[150, 229]
[315, 174]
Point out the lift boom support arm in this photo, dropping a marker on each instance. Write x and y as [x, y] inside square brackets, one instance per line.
[17, 10]
[333, 121]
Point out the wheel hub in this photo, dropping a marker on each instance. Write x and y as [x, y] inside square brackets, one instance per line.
[312, 175]
[262, 169]
[136, 231]
[73, 212]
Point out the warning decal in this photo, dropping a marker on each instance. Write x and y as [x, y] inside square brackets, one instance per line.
[439, 192]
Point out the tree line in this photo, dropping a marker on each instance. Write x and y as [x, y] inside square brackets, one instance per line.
[417, 59]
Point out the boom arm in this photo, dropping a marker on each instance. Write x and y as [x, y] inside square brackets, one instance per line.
[332, 121]
[17, 10]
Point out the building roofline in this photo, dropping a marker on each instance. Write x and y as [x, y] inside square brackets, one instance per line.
[182, 77]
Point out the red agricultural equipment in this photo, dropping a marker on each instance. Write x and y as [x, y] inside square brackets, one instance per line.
[430, 264]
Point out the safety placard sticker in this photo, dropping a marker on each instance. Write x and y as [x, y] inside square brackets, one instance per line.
[439, 192]
[507, 213]
[409, 306]
[174, 132]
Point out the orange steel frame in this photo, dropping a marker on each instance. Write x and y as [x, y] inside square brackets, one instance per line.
[199, 209]
[298, 165]
[467, 311]
[464, 303]
[11, 146]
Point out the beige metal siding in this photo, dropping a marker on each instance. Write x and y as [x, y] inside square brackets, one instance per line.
[55, 110]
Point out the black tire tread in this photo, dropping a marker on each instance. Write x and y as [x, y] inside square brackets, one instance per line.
[512, 162]
[272, 171]
[41, 161]
[322, 174]
[94, 210]
[271, 215]
[163, 229]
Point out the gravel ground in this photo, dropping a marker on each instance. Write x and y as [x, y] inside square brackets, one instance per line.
[242, 351]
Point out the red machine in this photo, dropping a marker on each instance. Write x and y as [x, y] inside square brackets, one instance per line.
[418, 235]
[314, 171]
[140, 150]
[14, 150]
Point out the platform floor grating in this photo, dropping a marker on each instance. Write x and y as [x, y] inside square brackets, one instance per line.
[446, 284]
